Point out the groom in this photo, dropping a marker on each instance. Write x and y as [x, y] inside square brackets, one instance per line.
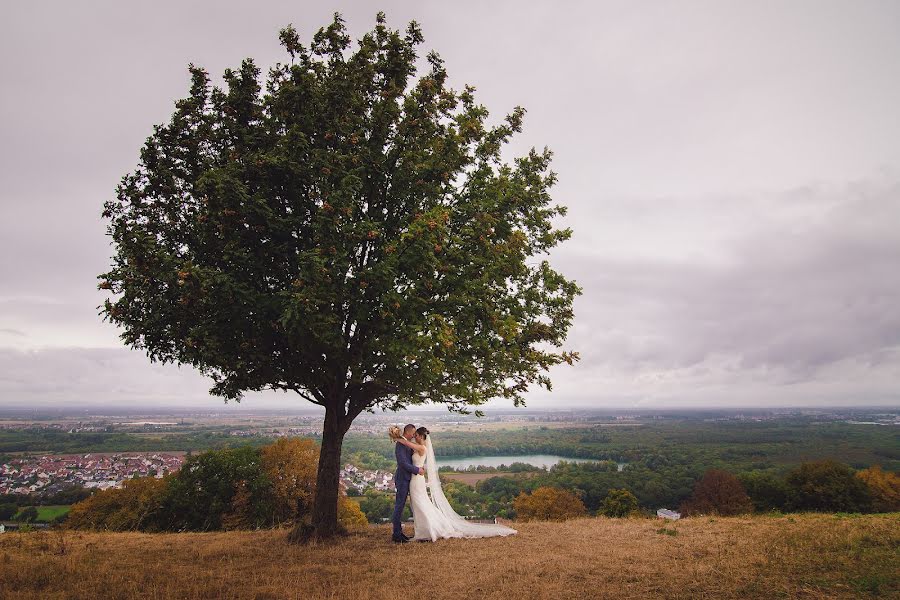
[405, 471]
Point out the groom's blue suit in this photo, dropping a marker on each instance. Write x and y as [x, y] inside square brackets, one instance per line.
[405, 471]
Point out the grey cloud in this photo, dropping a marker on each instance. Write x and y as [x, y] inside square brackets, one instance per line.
[795, 297]
[115, 376]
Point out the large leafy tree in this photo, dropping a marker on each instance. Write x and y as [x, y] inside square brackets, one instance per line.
[350, 233]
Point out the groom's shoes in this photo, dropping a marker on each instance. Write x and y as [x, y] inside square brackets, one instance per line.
[400, 540]
[405, 537]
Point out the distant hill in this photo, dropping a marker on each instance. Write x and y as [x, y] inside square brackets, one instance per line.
[791, 556]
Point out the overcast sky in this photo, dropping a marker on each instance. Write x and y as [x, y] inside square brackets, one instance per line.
[732, 172]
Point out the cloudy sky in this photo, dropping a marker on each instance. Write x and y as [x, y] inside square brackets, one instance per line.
[732, 171]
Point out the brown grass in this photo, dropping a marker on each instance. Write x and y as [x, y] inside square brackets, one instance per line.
[800, 556]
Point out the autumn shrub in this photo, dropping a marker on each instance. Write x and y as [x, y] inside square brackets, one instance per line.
[884, 487]
[135, 506]
[290, 465]
[350, 515]
[548, 504]
[717, 492]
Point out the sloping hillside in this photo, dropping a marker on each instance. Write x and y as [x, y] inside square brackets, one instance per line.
[799, 556]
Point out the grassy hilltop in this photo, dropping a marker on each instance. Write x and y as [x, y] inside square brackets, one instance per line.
[792, 556]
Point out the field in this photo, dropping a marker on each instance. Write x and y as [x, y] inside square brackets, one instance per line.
[473, 478]
[48, 513]
[791, 556]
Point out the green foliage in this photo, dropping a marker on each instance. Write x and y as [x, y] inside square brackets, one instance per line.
[377, 507]
[619, 503]
[767, 491]
[201, 492]
[827, 486]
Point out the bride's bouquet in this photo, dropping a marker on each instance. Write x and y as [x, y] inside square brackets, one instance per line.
[394, 433]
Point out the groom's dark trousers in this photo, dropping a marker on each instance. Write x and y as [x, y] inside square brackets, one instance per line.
[405, 471]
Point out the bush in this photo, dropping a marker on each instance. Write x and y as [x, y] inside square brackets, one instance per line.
[766, 491]
[224, 484]
[349, 514]
[290, 465]
[884, 487]
[718, 492]
[28, 515]
[137, 505]
[377, 507]
[827, 486]
[619, 503]
[548, 504]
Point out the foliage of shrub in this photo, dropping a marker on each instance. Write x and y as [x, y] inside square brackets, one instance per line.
[718, 492]
[827, 486]
[548, 504]
[766, 491]
[884, 487]
[137, 505]
[27, 515]
[619, 503]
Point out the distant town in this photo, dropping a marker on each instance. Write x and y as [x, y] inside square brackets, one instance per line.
[49, 474]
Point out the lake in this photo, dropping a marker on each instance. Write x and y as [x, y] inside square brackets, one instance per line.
[538, 460]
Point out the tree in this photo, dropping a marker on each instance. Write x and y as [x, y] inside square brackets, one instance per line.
[548, 504]
[619, 503]
[884, 486]
[827, 486]
[204, 490]
[27, 515]
[377, 507]
[718, 492]
[290, 465]
[352, 235]
[8, 511]
[766, 491]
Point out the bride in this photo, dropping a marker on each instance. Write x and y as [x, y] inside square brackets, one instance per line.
[433, 516]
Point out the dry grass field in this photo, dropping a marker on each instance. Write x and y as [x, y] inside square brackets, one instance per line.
[799, 556]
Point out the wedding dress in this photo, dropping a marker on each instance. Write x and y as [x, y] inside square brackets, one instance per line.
[433, 516]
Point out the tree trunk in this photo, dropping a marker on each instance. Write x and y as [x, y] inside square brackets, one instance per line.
[324, 522]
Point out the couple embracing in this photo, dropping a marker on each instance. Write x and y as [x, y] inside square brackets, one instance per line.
[417, 477]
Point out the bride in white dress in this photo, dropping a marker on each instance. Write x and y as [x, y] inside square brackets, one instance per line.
[433, 516]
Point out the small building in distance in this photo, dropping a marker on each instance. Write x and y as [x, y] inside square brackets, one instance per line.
[665, 513]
